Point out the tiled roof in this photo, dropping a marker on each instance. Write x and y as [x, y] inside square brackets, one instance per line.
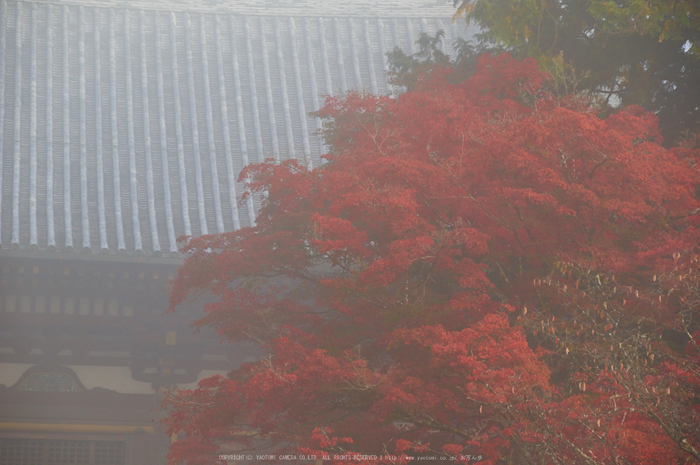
[124, 128]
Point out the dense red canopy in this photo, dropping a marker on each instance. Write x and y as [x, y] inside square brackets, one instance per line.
[479, 270]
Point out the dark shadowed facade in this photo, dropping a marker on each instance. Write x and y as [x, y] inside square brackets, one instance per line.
[124, 125]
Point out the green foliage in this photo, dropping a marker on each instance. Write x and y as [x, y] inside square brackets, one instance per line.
[634, 52]
[405, 70]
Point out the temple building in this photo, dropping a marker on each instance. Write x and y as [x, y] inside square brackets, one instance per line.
[123, 126]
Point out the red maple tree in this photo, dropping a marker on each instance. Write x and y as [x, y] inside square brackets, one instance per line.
[481, 272]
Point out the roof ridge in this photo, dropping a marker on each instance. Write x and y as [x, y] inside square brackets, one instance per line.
[284, 8]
